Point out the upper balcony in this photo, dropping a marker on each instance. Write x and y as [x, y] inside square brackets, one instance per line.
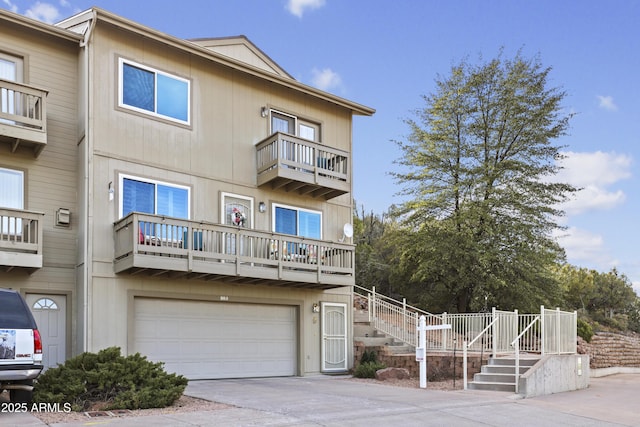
[290, 163]
[20, 239]
[23, 116]
[157, 245]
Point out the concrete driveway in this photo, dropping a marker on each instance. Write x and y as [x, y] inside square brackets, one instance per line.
[339, 401]
[330, 401]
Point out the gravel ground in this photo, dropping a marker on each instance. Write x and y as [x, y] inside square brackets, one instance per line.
[192, 404]
[184, 404]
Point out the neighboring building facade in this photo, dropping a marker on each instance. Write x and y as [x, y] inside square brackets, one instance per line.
[189, 201]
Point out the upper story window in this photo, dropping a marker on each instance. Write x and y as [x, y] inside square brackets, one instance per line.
[154, 92]
[286, 123]
[154, 197]
[11, 196]
[11, 188]
[11, 70]
[297, 221]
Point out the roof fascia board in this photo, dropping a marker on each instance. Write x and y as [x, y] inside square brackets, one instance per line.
[118, 21]
[39, 26]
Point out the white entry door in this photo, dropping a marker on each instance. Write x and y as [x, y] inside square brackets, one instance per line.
[50, 312]
[334, 337]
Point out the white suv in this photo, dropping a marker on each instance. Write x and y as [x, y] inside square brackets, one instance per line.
[20, 347]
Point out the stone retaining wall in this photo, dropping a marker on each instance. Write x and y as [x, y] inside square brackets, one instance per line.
[440, 366]
[608, 349]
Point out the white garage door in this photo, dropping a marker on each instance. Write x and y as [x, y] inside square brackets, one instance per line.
[207, 340]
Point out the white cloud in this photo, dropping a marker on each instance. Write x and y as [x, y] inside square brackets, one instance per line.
[606, 102]
[594, 172]
[585, 247]
[325, 79]
[298, 7]
[45, 12]
[12, 7]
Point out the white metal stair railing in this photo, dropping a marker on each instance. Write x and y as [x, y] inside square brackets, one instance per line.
[501, 332]
[395, 318]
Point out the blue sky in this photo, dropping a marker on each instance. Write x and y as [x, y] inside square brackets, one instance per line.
[387, 54]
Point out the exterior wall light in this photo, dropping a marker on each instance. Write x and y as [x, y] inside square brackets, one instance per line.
[263, 112]
[315, 308]
[262, 207]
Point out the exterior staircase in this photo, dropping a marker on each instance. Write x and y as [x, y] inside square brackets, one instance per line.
[364, 332]
[499, 374]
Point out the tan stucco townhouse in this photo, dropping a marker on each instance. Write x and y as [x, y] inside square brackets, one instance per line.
[188, 200]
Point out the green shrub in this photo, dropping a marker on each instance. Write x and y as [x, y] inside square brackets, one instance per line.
[585, 331]
[368, 369]
[112, 380]
[369, 356]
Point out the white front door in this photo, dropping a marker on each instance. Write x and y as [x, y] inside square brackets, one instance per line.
[50, 312]
[334, 337]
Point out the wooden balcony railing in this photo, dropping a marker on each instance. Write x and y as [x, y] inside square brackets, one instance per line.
[23, 115]
[20, 239]
[159, 245]
[294, 164]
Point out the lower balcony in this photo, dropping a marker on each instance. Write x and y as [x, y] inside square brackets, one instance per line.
[286, 162]
[20, 239]
[161, 246]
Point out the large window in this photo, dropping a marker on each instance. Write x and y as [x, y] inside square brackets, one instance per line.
[150, 91]
[154, 197]
[297, 221]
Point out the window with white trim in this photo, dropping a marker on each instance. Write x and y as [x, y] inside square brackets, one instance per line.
[11, 69]
[293, 125]
[11, 196]
[154, 197]
[149, 91]
[297, 221]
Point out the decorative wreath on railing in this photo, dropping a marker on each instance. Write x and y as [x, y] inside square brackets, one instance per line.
[237, 217]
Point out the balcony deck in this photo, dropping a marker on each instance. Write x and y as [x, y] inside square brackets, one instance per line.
[289, 163]
[159, 246]
[20, 239]
[23, 116]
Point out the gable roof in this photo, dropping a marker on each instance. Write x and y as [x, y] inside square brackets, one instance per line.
[232, 55]
[240, 48]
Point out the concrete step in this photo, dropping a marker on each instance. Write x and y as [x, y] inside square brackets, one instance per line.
[402, 349]
[360, 316]
[492, 386]
[502, 369]
[494, 378]
[362, 330]
[375, 341]
[511, 361]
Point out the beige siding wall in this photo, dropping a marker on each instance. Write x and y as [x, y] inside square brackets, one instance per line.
[50, 180]
[216, 154]
[115, 329]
